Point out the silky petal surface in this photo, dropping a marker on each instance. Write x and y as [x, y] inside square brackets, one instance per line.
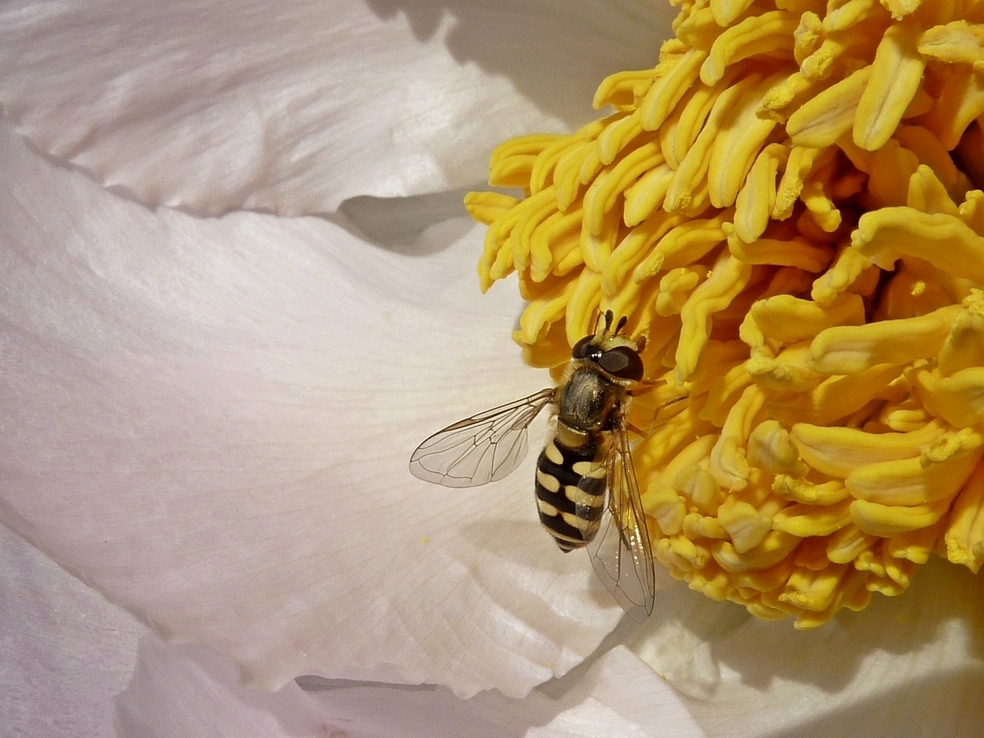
[294, 108]
[908, 667]
[183, 690]
[210, 420]
[66, 651]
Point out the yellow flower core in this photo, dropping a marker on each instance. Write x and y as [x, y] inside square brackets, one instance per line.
[785, 207]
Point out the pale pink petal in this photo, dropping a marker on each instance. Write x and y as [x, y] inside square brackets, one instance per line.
[190, 691]
[179, 691]
[294, 107]
[210, 422]
[905, 667]
[65, 651]
[619, 689]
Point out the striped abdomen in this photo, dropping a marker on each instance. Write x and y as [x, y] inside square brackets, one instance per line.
[569, 495]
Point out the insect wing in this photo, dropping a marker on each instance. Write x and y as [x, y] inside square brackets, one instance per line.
[481, 449]
[621, 551]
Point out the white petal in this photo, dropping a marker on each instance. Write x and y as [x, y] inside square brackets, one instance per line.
[65, 651]
[210, 421]
[621, 684]
[179, 691]
[904, 667]
[183, 691]
[295, 107]
[590, 719]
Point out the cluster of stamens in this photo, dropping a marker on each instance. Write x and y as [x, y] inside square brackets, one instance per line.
[786, 208]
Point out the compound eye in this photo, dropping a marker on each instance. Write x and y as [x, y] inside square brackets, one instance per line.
[582, 347]
[622, 362]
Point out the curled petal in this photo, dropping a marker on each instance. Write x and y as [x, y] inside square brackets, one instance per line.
[618, 692]
[251, 452]
[186, 107]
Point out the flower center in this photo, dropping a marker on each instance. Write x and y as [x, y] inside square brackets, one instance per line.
[785, 208]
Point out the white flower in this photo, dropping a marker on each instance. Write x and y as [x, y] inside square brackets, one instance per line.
[207, 419]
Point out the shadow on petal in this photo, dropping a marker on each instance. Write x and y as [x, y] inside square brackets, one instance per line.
[397, 223]
[553, 53]
[938, 705]
[852, 677]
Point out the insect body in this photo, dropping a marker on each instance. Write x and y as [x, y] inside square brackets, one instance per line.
[586, 489]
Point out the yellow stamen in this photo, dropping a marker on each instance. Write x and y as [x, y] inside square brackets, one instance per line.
[785, 206]
[957, 42]
[895, 77]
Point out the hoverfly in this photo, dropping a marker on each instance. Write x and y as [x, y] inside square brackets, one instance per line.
[587, 494]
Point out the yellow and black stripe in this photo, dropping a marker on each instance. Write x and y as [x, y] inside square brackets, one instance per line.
[570, 491]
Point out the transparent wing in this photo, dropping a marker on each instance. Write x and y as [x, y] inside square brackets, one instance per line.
[621, 552]
[481, 449]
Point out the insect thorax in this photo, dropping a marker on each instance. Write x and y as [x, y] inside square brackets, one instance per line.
[587, 401]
